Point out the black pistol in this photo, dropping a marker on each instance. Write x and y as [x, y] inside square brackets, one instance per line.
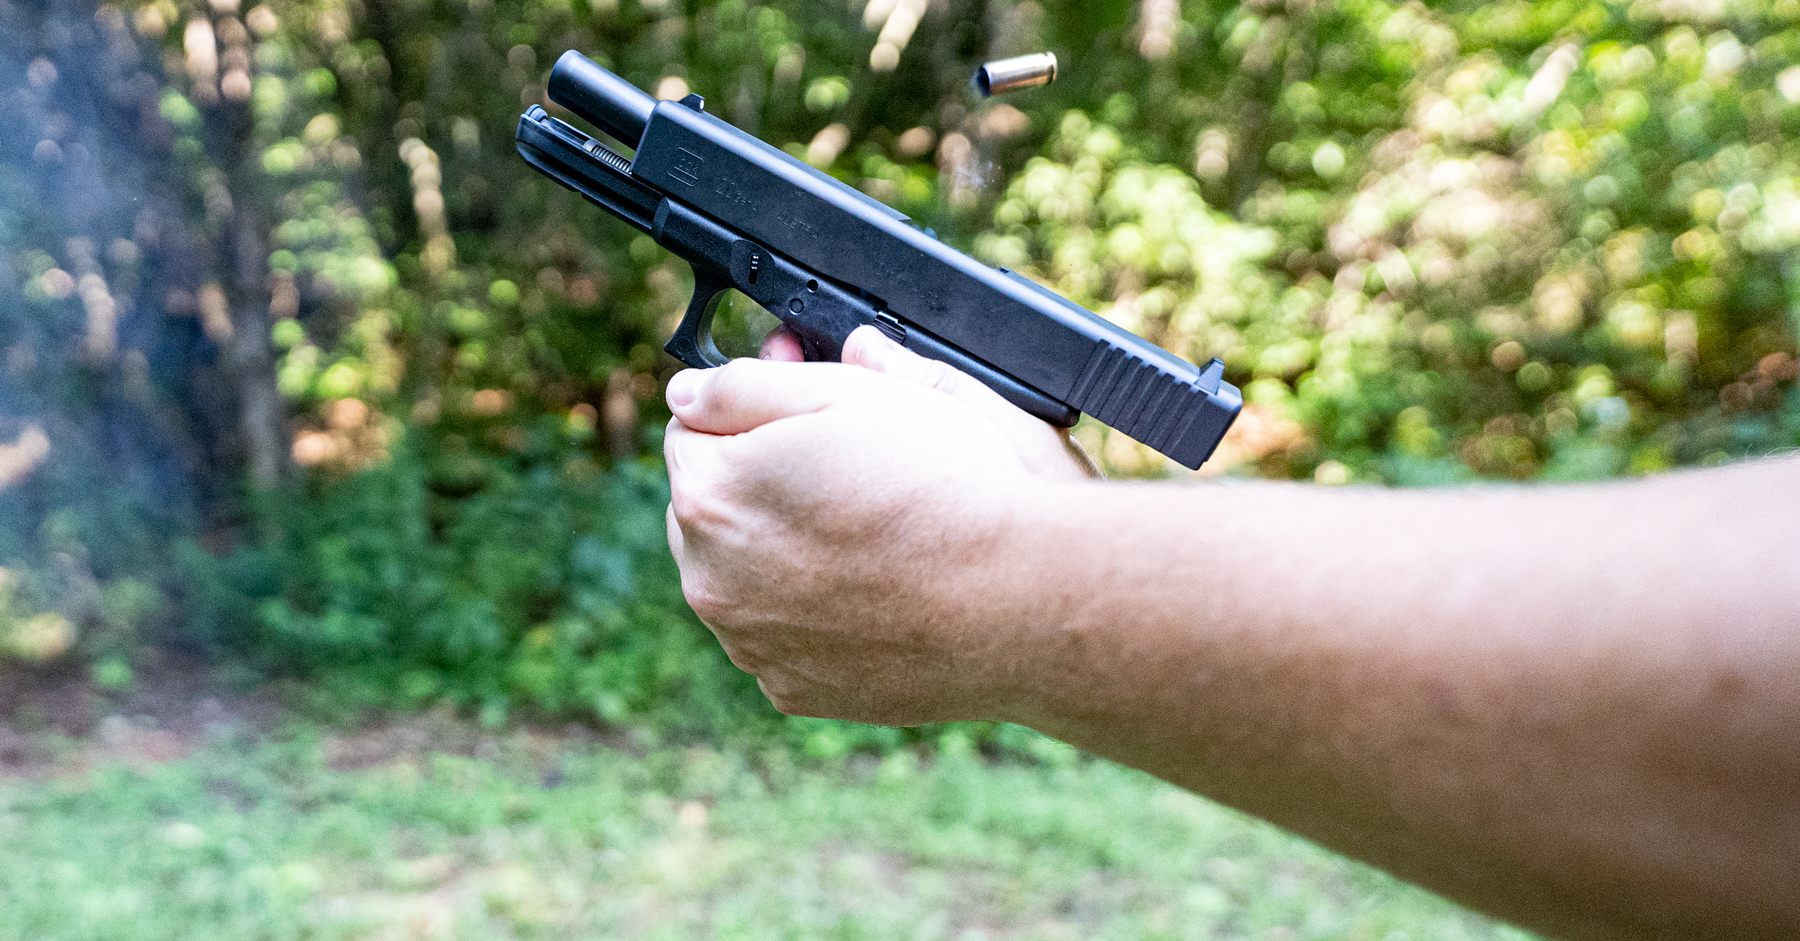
[826, 259]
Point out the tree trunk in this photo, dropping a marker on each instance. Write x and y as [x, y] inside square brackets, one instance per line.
[243, 265]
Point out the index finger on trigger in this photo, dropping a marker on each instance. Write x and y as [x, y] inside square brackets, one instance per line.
[781, 346]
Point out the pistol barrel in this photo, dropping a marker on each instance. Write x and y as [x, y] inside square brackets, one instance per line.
[601, 98]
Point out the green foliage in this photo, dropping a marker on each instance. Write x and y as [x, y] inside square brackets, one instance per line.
[1504, 240]
[545, 589]
[1432, 242]
[400, 832]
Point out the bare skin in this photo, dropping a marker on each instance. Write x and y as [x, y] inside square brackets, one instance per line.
[1576, 708]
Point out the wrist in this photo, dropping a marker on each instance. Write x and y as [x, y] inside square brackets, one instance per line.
[1118, 606]
[1042, 596]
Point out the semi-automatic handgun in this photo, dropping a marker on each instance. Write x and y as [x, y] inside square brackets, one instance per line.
[826, 259]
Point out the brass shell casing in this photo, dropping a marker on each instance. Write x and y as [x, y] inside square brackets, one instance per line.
[1006, 75]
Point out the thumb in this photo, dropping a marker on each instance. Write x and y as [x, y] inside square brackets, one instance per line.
[1044, 450]
[749, 393]
[871, 349]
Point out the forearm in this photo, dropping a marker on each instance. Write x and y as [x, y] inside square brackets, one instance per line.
[1571, 707]
[1578, 708]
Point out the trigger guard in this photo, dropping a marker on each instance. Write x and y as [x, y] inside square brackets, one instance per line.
[810, 348]
[693, 341]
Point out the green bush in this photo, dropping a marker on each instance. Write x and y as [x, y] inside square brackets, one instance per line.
[547, 589]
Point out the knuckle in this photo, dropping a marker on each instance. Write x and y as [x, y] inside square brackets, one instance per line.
[710, 605]
[940, 376]
[725, 390]
[788, 701]
[739, 657]
[672, 450]
[684, 502]
[788, 707]
[697, 504]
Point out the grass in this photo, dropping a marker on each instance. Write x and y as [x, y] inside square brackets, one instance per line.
[433, 830]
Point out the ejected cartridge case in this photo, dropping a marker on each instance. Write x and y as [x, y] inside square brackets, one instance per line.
[1000, 77]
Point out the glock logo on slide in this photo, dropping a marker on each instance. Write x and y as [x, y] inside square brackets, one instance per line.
[687, 166]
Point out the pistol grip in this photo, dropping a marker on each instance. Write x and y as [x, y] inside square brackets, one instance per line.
[693, 341]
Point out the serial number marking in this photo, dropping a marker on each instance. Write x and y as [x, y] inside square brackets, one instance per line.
[795, 223]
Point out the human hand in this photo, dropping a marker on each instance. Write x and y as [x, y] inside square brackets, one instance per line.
[838, 526]
[1046, 450]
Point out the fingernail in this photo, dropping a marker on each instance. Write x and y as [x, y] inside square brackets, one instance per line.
[684, 388]
[877, 349]
[884, 341]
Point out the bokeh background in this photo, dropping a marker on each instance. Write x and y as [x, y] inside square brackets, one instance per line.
[328, 428]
